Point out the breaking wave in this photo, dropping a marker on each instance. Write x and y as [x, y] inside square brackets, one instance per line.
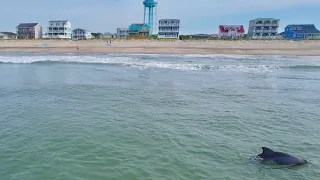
[134, 61]
[242, 63]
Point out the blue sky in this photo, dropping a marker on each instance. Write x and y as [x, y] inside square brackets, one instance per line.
[201, 16]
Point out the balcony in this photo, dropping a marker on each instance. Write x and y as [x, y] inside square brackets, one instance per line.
[265, 31]
[164, 31]
[168, 25]
[26, 31]
[55, 31]
[266, 25]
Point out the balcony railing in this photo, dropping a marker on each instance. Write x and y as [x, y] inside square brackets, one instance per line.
[265, 25]
[168, 30]
[168, 24]
[26, 32]
[262, 31]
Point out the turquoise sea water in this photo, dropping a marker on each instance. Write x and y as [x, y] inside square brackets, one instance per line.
[127, 117]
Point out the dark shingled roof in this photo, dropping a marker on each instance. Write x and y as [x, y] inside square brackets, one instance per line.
[305, 28]
[59, 21]
[169, 20]
[200, 35]
[26, 25]
[8, 33]
[138, 24]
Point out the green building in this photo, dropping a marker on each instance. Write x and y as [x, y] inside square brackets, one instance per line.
[139, 30]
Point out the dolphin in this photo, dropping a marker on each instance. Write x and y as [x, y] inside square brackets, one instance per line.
[280, 157]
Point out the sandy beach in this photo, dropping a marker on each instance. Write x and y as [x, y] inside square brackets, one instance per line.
[253, 47]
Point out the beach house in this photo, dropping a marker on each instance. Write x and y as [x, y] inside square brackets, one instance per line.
[29, 31]
[139, 30]
[81, 33]
[263, 28]
[231, 31]
[59, 29]
[107, 35]
[301, 31]
[122, 32]
[8, 35]
[169, 28]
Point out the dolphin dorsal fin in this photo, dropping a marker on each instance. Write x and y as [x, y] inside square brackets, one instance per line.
[267, 151]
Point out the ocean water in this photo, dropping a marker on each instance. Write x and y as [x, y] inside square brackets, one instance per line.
[159, 117]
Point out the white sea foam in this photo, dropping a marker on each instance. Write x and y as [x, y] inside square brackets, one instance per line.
[177, 62]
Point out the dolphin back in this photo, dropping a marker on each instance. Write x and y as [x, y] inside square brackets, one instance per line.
[280, 157]
[289, 161]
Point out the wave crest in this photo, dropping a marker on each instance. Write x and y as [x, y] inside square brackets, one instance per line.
[177, 62]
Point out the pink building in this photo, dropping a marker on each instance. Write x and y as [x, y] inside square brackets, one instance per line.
[231, 31]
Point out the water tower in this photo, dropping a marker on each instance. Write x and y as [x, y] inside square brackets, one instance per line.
[149, 6]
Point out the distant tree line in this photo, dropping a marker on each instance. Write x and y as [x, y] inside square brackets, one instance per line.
[95, 35]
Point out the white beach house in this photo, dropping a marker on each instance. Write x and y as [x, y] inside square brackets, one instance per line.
[81, 33]
[169, 28]
[263, 28]
[122, 32]
[59, 29]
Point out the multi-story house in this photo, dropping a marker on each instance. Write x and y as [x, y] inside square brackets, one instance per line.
[80, 33]
[231, 31]
[59, 29]
[301, 31]
[263, 28]
[139, 30]
[169, 28]
[29, 31]
[122, 32]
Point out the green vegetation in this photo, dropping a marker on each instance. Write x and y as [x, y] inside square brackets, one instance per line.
[184, 37]
[95, 35]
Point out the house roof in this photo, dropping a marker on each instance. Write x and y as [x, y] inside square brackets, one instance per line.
[108, 34]
[8, 33]
[265, 19]
[22, 25]
[226, 28]
[123, 28]
[169, 19]
[305, 28]
[60, 21]
[138, 24]
[81, 29]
